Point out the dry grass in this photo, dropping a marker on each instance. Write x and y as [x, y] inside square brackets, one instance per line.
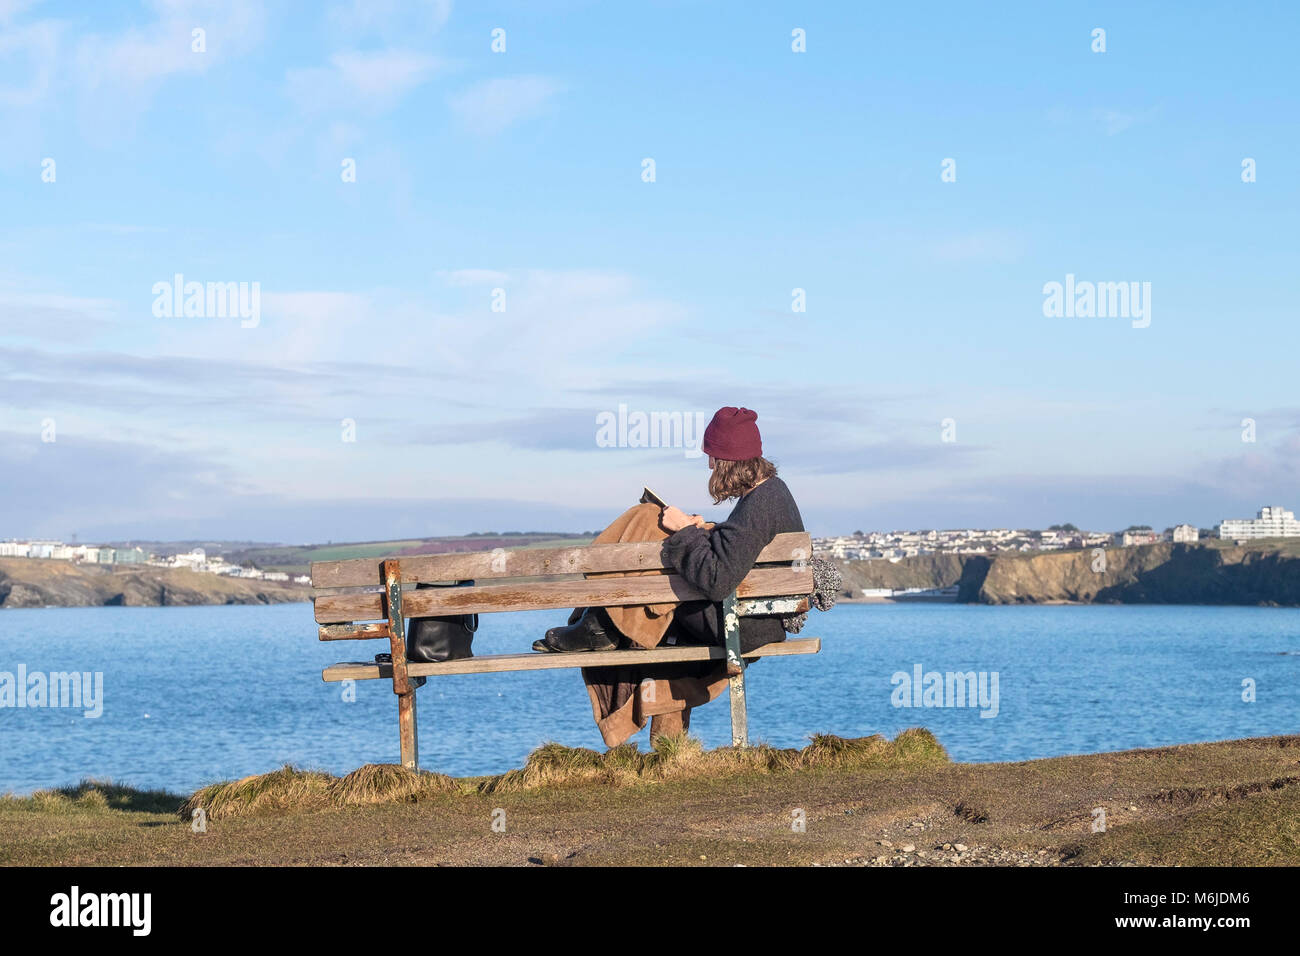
[93, 796]
[291, 789]
[682, 758]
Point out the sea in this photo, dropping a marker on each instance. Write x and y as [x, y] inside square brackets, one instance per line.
[188, 696]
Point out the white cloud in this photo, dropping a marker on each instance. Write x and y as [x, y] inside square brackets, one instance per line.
[390, 18]
[987, 246]
[1112, 121]
[59, 318]
[140, 56]
[11, 8]
[31, 54]
[492, 105]
[371, 81]
[109, 77]
[1117, 121]
[467, 277]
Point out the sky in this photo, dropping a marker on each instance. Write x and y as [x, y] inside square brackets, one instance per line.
[844, 216]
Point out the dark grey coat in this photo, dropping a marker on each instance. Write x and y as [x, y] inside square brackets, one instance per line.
[716, 560]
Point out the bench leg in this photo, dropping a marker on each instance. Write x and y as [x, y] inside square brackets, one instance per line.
[735, 673]
[403, 686]
[407, 728]
[739, 716]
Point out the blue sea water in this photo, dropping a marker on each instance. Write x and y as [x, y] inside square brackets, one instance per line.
[200, 694]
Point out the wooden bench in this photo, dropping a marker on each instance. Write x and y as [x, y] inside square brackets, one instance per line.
[371, 599]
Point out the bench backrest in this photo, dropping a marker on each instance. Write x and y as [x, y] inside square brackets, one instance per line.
[351, 592]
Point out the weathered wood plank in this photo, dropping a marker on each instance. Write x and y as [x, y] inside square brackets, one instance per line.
[772, 605]
[496, 663]
[485, 565]
[353, 632]
[358, 632]
[592, 592]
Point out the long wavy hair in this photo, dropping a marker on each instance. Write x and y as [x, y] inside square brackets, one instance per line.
[731, 479]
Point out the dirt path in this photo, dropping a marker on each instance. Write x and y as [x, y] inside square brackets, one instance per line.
[1230, 803]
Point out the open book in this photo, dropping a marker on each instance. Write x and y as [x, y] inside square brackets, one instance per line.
[649, 497]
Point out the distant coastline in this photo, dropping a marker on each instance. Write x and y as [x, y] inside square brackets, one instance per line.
[38, 583]
[1208, 572]
[211, 572]
[1265, 572]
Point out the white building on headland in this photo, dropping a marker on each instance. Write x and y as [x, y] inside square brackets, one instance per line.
[1186, 533]
[1128, 539]
[1271, 522]
[193, 559]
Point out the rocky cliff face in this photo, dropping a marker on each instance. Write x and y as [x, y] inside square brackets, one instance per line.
[1203, 573]
[923, 571]
[27, 582]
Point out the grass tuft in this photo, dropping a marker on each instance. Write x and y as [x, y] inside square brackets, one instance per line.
[291, 789]
[93, 796]
[387, 783]
[680, 757]
[285, 789]
[671, 757]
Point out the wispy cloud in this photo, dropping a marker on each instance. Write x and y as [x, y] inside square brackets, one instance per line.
[993, 245]
[28, 62]
[371, 81]
[1111, 120]
[470, 277]
[1115, 122]
[141, 55]
[54, 318]
[389, 19]
[491, 106]
[112, 76]
[11, 8]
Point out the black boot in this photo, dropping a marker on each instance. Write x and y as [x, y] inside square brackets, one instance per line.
[591, 632]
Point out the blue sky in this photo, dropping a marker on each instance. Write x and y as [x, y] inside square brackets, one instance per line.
[522, 171]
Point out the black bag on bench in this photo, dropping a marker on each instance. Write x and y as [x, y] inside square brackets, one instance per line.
[432, 640]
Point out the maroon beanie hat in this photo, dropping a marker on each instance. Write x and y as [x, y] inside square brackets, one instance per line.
[732, 435]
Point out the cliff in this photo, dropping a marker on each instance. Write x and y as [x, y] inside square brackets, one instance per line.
[28, 582]
[1210, 572]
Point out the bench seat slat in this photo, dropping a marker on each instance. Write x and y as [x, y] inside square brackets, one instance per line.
[379, 631]
[525, 562]
[592, 592]
[496, 663]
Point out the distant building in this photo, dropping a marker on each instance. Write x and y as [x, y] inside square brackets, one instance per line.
[1271, 522]
[1130, 538]
[1186, 533]
[129, 556]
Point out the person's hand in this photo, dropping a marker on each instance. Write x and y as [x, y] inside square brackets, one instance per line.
[675, 519]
